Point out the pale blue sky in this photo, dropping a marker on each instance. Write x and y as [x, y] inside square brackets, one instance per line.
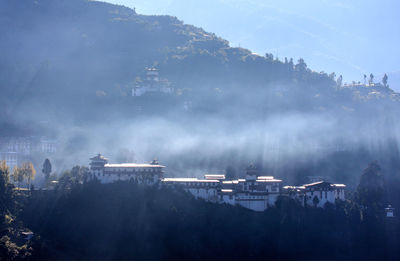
[347, 37]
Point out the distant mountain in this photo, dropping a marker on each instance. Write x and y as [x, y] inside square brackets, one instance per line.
[331, 35]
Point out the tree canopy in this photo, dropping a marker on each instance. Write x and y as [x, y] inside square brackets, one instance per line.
[46, 170]
[371, 190]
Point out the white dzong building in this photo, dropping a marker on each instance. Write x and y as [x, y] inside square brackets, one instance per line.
[317, 193]
[255, 192]
[149, 173]
[207, 189]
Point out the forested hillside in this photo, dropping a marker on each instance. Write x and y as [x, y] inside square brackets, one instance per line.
[76, 55]
[87, 220]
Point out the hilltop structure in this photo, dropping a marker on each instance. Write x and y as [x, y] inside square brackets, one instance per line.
[152, 84]
[255, 192]
[371, 89]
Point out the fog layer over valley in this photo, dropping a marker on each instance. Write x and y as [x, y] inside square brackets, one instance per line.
[280, 144]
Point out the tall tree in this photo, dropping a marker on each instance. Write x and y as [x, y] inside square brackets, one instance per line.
[46, 170]
[301, 66]
[371, 190]
[4, 176]
[77, 175]
[371, 79]
[365, 79]
[18, 175]
[339, 81]
[291, 63]
[385, 80]
[4, 181]
[29, 172]
[269, 56]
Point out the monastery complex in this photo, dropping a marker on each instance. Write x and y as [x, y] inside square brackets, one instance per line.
[253, 192]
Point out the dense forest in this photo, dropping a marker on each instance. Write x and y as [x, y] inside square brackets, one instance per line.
[125, 220]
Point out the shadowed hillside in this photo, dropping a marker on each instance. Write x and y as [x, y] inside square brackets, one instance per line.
[124, 221]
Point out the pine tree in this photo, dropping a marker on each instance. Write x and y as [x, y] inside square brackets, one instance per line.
[385, 79]
[371, 79]
[46, 170]
[339, 81]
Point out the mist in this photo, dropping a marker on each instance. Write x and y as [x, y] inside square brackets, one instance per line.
[191, 147]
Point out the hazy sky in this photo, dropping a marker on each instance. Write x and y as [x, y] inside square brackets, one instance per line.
[347, 37]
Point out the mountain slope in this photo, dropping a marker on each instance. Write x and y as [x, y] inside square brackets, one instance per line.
[64, 52]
